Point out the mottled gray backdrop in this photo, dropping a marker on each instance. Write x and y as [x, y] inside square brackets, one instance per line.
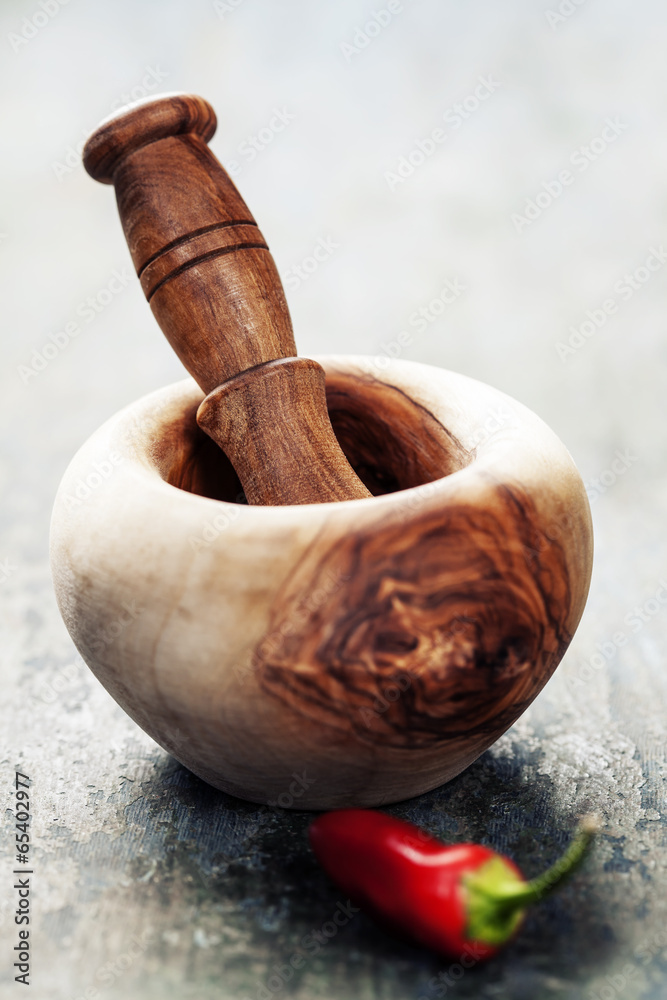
[543, 197]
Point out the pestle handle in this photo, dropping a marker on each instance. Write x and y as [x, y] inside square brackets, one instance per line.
[215, 291]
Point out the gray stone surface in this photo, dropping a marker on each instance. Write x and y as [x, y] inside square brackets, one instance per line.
[148, 884]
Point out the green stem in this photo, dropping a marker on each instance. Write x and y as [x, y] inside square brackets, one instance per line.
[511, 897]
[496, 898]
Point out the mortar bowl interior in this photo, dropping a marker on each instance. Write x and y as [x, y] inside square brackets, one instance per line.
[391, 441]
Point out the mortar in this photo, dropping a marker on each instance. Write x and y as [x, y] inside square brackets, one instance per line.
[321, 654]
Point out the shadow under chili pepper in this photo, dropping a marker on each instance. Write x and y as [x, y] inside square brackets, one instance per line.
[505, 803]
[248, 870]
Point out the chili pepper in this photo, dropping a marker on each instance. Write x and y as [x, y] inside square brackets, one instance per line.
[463, 899]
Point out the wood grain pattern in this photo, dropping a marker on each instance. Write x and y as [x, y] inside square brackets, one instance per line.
[293, 390]
[214, 289]
[448, 626]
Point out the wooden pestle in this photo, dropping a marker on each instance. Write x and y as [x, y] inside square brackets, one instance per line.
[214, 289]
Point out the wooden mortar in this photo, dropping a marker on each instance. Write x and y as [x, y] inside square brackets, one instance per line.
[310, 654]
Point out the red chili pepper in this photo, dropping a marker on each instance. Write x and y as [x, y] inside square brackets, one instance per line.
[463, 899]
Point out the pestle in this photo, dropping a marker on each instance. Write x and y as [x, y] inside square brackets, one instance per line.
[214, 288]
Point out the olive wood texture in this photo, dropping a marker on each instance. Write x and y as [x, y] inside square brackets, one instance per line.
[373, 649]
[213, 287]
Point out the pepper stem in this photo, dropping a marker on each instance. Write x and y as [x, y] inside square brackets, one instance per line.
[497, 898]
[515, 897]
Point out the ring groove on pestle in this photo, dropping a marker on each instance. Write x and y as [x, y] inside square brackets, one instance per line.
[189, 236]
[152, 281]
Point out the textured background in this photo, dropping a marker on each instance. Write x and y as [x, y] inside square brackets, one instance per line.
[148, 883]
